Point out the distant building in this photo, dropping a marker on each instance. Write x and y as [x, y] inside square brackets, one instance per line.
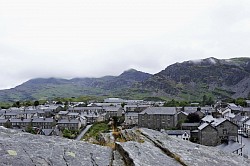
[158, 118]
[131, 118]
[71, 124]
[135, 108]
[226, 130]
[20, 123]
[190, 126]
[208, 135]
[183, 134]
[113, 100]
[43, 123]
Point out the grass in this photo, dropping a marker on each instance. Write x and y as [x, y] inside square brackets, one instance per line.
[96, 129]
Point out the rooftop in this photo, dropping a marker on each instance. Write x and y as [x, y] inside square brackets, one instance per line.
[159, 110]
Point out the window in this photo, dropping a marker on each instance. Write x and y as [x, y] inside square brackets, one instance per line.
[224, 131]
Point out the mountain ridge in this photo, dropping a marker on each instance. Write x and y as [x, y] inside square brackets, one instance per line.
[188, 80]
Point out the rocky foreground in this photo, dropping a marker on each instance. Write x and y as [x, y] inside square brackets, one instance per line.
[142, 147]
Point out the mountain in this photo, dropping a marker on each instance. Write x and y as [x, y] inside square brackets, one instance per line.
[189, 80]
[49, 88]
[211, 76]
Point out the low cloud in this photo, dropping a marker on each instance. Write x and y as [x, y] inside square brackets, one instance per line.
[91, 38]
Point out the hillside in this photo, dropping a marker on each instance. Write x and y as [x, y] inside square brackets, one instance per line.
[211, 76]
[189, 80]
[49, 88]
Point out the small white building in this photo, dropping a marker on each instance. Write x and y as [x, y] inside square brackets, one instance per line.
[183, 134]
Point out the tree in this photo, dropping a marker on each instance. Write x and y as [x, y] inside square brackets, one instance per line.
[16, 104]
[59, 102]
[36, 103]
[240, 101]
[204, 100]
[123, 104]
[115, 122]
[193, 118]
[210, 101]
[171, 103]
[27, 103]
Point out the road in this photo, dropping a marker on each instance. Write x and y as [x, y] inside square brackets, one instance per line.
[78, 138]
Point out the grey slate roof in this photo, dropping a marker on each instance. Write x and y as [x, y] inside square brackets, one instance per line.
[43, 120]
[20, 120]
[218, 121]
[63, 112]
[73, 114]
[177, 132]
[159, 111]
[3, 120]
[85, 108]
[182, 112]
[231, 146]
[72, 121]
[201, 127]
[190, 124]
[112, 109]
[208, 118]
[131, 114]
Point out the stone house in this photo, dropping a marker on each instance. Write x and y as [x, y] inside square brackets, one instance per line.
[239, 120]
[20, 123]
[80, 110]
[246, 111]
[113, 111]
[246, 127]
[43, 123]
[51, 108]
[158, 118]
[207, 135]
[40, 113]
[3, 122]
[182, 116]
[62, 114]
[196, 110]
[10, 115]
[28, 114]
[190, 126]
[227, 130]
[71, 124]
[135, 108]
[131, 118]
[91, 117]
[73, 115]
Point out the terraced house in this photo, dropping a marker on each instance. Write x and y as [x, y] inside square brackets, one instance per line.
[158, 118]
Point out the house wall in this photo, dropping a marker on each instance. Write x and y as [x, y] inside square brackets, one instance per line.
[70, 126]
[131, 120]
[208, 136]
[43, 125]
[227, 129]
[181, 117]
[157, 121]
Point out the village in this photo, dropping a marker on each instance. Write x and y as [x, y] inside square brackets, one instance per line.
[223, 125]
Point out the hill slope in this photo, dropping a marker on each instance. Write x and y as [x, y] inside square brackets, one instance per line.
[190, 80]
[48, 88]
[211, 76]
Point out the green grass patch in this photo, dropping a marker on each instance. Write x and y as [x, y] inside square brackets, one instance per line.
[96, 129]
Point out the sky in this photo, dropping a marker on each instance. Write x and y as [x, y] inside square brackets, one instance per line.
[94, 38]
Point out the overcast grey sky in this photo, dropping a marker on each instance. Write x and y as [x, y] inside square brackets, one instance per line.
[79, 38]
